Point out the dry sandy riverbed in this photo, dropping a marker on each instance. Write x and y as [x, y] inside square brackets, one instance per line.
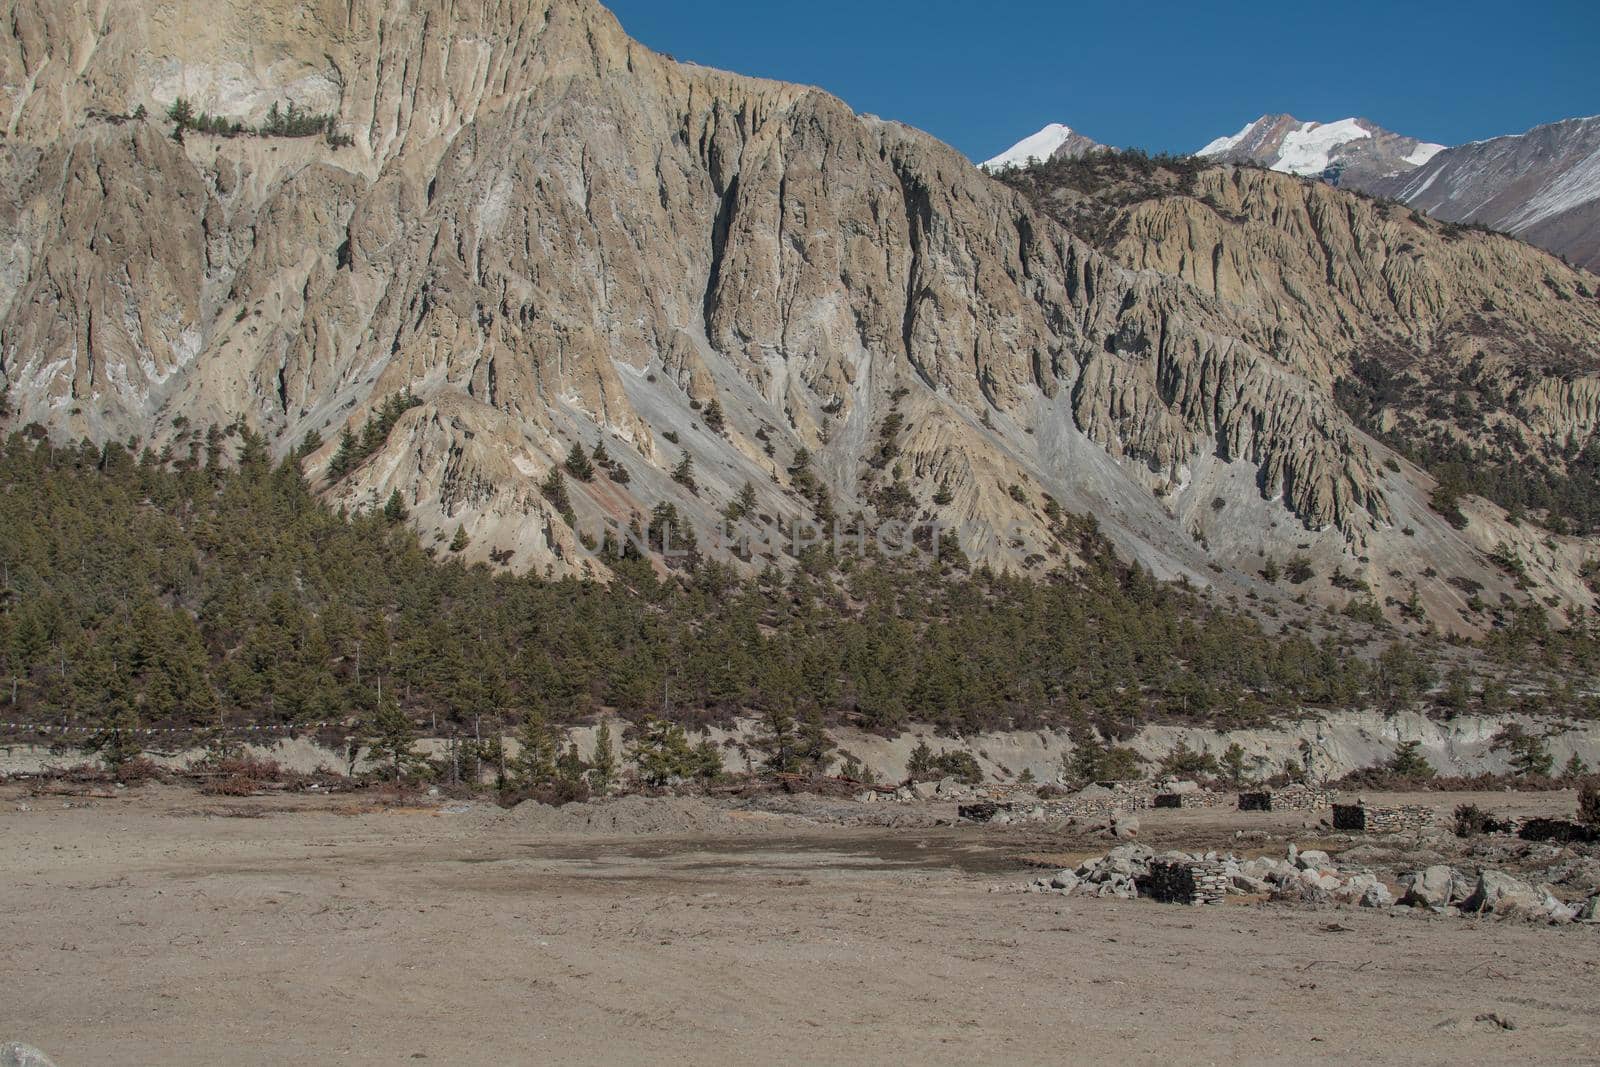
[165, 927]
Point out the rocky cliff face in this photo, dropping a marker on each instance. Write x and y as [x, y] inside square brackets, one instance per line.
[552, 235]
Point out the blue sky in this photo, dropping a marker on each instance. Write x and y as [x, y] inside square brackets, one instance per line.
[1160, 74]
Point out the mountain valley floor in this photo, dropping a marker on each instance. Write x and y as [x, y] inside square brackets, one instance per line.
[159, 925]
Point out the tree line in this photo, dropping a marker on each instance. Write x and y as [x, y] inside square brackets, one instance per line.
[206, 585]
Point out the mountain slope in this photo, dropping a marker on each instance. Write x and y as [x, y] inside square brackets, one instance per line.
[555, 237]
[1542, 186]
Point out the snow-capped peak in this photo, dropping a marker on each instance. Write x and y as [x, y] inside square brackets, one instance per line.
[1036, 149]
[1309, 149]
[1222, 144]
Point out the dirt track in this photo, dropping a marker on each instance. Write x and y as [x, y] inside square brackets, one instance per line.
[145, 930]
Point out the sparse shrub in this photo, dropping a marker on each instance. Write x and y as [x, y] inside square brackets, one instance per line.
[1589, 804]
[1472, 820]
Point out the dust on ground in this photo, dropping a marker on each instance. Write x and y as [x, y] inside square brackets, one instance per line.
[160, 926]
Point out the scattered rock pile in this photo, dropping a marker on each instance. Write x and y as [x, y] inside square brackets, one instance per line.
[1136, 870]
[1448, 891]
[1307, 876]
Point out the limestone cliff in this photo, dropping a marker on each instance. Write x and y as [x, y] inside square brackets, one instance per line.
[553, 235]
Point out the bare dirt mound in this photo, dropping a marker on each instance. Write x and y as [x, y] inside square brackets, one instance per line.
[636, 815]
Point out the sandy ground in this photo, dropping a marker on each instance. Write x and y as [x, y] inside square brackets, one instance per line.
[162, 927]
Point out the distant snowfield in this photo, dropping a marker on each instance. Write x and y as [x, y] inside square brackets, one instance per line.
[1035, 149]
[1310, 149]
[1423, 153]
[1222, 144]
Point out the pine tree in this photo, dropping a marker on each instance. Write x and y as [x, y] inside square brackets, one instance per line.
[601, 457]
[1575, 769]
[922, 764]
[345, 456]
[683, 473]
[707, 759]
[579, 465]
[1233, 764]
[535, 763]
[943, 495]
[714, 419]
[814, 745]
[391, 738]
[394, 509]
[779, 741]
[554, 488]
[662, 753]
[742, 505]
[1530, 756]
[570, 767]
[460, 541]
[603, 766]
[181, 112]
[1409, 762]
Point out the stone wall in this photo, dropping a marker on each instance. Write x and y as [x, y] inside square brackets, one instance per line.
[1088, 807]
[1290, 798]
[1200, 798]
[1363, 818]
[1185, 882]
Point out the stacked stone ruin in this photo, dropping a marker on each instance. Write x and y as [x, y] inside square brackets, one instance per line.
[1200, 798]
[1365, 818]
[1289, 798]
[1096, 807]
[1186, 882]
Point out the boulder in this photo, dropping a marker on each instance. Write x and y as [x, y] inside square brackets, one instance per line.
[1124, 827]
[16, 1054]
[1589, 910]
[1065, 881]
[1433, 887]
[924, 790]
[1555, 909]
[1183, 787]
[1376, 896]
[1497, 891]
[1245, 883]
[1313, 860]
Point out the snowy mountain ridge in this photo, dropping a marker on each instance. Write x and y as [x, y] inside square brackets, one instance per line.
[1056, 140]
[1314, 149]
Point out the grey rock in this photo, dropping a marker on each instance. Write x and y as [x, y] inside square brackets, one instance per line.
[1432, 887]
[1500, 892]
[16, 1054]
[1589, 911]
[1124, 827]
[1066, 881]
[1314, 860]
[1376, 896]
[1244, 883]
